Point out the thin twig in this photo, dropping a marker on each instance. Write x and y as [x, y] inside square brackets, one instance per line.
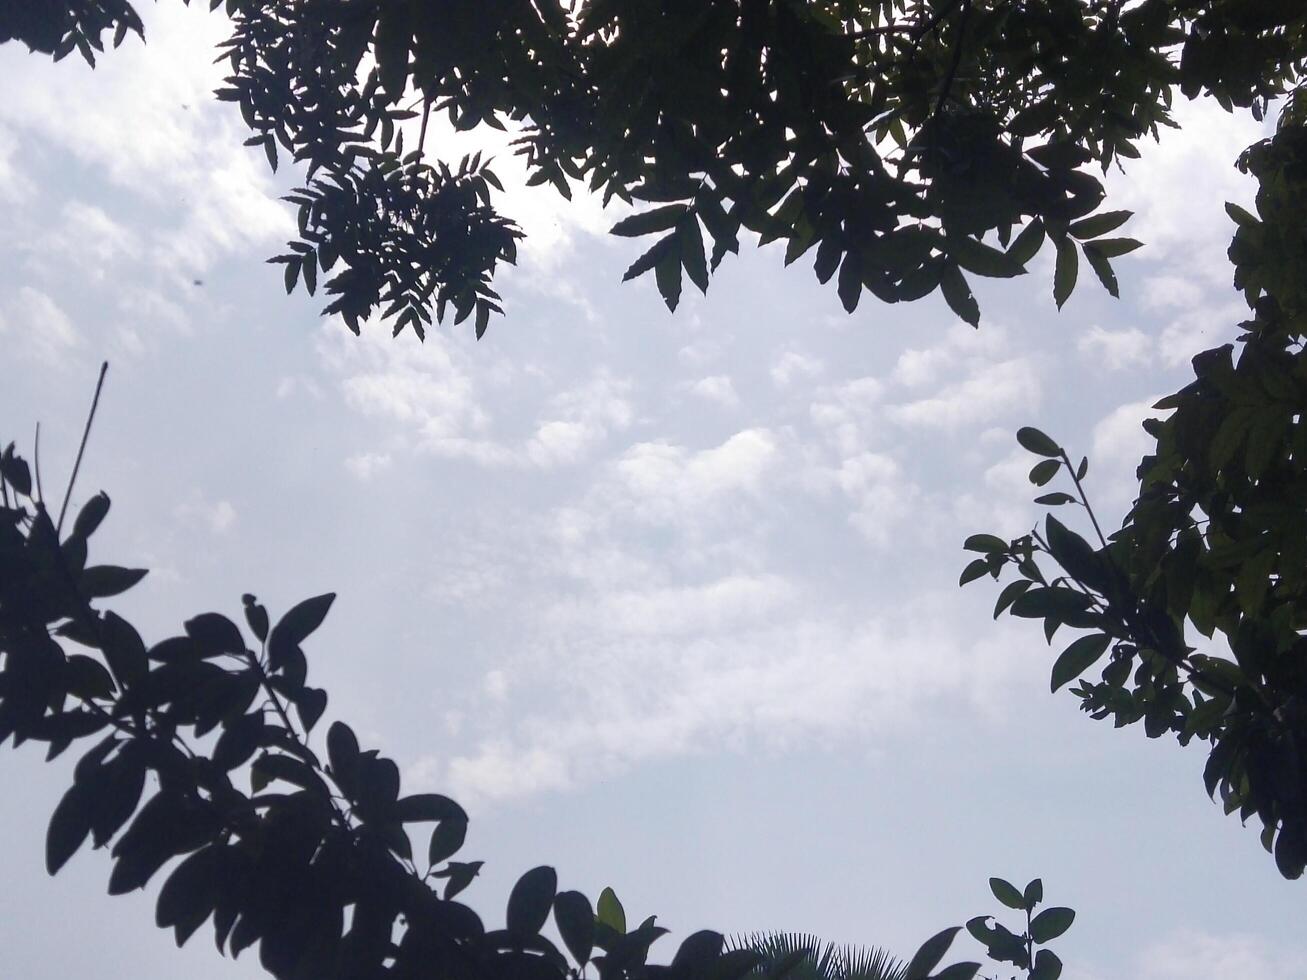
[95, 402]
[1075, 477]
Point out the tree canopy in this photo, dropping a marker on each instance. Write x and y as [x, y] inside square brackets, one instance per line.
[910, 143]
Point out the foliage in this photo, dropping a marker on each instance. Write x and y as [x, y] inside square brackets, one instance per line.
[910, 143]
[314, 863]
[794, 956]
[1216, 541]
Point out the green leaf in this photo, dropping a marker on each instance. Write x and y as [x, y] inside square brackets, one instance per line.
[984, 260]
[1077, 658]
[90, 516]
[1103, 269]
[958, 294]
[1032, 440]
[69, 825]
[650, 258]
[667, 274]
[985, 543]
[692, 255]
[427, 807]
[1044, 471]
[1065, 271]
[102, 581]
[1027, 244]
[1011, 592]
[1051, 923]
[1112, 247]
[958, 971]
[1242, 217]
[850, 281]
[576, 924]
[446, 839]
[610, 911]
[1047, 966]
[1007, 893]
[293, 628]
[931, 952]
[530, 901]
[1056, 499]
[1034, 894]
[217, 632]
[1099, 224]
[974, 570]
[647, 222]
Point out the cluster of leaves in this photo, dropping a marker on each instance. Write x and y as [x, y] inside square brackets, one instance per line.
[1002, 945]
[1019, 949]
[910, 143]
[1216, 542]
[314, 862]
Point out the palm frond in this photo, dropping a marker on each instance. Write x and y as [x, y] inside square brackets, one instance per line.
[802, 956]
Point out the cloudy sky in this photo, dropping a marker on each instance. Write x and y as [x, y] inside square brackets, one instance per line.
[669, 602]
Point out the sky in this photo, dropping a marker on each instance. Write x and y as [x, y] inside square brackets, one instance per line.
[668, 602]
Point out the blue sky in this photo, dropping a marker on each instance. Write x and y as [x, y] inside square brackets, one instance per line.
[668, 602]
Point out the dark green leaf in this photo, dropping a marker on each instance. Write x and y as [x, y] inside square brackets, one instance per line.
[294, 627]
[1051, 923]
[1042, 472]
[958, 294]
[1007, 893]
[530, 901]
[973, 571]
[575, 920]
[1112, 247]
[1099, 224]
[69, 825]
[647, 222]
[427, 807]
[103, 581]
[1032, 440]
[1077, 658]
[446, 839]
[1065, 271]
[928, 956]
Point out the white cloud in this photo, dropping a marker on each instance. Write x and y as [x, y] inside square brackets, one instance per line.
[365, 466]
[663, 482]
[718, 389]
[217, 516]
[792, 365]
[1191, 955]
[1115, 349]
[37, 328]
[1004, 388]
[1209, 324]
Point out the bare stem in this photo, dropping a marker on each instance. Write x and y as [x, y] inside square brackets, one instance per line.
[1083, 498]
[86, 432]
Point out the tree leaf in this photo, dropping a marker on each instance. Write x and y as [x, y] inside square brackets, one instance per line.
[69, 825]
[446, 839]
[1007, 893]
[610, 912]
[575, 920]
[1082, 654]
[427, 807]
[1051, 923]
[928, 956]
[103, 581]
[957, 293]
[530, 901]
[849, 286]
[1112, 247]
[1032, 440]
[1044, 471]
[1099, 224]
[1065, 271]
[647, 222]
[294, 627]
